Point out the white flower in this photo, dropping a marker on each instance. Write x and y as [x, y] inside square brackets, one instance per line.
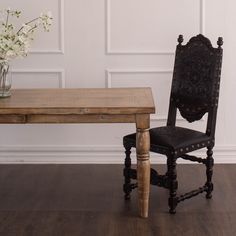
[10, 54]
[46, 20]
[26, 28]
[46, 15]
[17, 43]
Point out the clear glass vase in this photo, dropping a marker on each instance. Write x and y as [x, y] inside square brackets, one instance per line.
[5, 80]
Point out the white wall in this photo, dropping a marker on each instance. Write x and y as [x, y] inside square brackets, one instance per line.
[115, 43]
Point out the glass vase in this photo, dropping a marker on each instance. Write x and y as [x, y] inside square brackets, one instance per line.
[5, 80]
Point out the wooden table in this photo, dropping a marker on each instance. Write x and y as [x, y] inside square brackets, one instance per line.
[118, 105]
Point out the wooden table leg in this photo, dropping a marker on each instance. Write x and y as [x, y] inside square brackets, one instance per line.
[143, 162]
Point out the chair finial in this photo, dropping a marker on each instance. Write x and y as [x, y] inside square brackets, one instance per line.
[180, 39]
[220, 42]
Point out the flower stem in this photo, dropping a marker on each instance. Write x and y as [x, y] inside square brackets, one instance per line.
[32, 20]
[32, 29]
[27, 24]
[8, 13]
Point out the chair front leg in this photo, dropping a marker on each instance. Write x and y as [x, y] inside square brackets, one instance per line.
[168, 164]
[209, 172]
[172, 173]
[127, 188]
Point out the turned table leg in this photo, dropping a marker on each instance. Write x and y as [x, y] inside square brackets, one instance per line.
[143, 162]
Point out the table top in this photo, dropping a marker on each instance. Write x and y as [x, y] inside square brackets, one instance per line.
[79, 101]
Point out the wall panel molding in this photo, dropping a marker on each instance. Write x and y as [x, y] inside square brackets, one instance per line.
[59, 72]
[61, 33]
[111, 51]
[111, 72]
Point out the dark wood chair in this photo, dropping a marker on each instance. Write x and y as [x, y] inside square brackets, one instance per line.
[194, 92]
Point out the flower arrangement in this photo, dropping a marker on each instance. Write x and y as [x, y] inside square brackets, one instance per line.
[16, 42]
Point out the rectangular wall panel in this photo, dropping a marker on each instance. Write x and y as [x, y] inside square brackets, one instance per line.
[151, 27]
[158, 80]
[38, 79]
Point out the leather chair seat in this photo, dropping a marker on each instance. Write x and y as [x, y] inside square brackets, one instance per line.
[169, 139]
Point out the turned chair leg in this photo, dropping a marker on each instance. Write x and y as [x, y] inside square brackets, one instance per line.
[168, 164]
[127, 184]
[172, 173]
[209, 172]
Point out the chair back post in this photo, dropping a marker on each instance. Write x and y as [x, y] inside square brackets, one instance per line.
[171, 121]
[212, 115]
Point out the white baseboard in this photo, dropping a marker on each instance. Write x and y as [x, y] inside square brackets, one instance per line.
[91, 155]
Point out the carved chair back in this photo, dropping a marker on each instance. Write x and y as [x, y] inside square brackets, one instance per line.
[196, 81]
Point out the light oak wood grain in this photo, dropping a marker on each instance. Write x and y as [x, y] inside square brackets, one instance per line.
[118, 105]
[79, 101]
[143, 161]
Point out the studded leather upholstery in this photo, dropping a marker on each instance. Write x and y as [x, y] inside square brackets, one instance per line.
[174, 140]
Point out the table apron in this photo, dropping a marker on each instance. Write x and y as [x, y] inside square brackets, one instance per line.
[69, 118]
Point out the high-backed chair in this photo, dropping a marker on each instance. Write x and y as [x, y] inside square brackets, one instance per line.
[194, 92]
